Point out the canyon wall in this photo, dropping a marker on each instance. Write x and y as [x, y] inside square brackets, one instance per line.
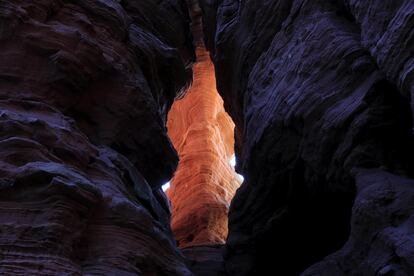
[321, 93]
[202, 133]
[85, 87]
[322, 97]
[204, 182]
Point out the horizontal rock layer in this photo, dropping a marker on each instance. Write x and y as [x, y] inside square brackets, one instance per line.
[321, 95]
[84, 91]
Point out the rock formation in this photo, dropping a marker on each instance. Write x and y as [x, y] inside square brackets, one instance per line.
[320, 94]
[85, 87]
[205, 260]
[202, 133]
[322, 97]
[204, 182]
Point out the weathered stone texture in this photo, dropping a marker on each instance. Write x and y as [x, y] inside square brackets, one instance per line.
[84, 91]
[320, 93]
[205, 182]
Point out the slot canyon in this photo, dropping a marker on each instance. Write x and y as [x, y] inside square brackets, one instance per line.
[103, 102]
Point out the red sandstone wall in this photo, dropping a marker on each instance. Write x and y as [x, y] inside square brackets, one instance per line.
[204, 183]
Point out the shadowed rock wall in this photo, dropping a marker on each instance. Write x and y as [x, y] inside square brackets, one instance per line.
[321, 95]
[84, 91]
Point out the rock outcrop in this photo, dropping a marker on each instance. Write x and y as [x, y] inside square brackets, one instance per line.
[320, 95]
[202, 132]
[85, 87]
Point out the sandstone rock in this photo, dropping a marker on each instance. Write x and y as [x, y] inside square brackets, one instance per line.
[84, 91]
[381, 240]
[202, 133]
[319, 92]
[204, 182]
[205, 260]
[97, 63]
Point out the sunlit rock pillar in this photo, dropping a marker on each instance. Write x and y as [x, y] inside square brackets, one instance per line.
[202, 133]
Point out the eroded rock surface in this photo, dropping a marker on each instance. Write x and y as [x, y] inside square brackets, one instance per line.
[202, 132]
[205, 182]
[205, 260]
[84, 91]
[320, 94]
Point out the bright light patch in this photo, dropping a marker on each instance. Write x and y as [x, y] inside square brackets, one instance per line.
[233, 161]
[166, 186]
[233, 164]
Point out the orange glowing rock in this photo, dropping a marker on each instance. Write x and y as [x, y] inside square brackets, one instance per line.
[205, 182]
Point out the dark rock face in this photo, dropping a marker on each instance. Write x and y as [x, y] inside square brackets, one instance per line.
[97, 61]
[84, 91]
[320, 95]
[381, 240]
[205, 260]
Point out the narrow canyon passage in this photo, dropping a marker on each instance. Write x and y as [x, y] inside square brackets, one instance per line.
[314, 98]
